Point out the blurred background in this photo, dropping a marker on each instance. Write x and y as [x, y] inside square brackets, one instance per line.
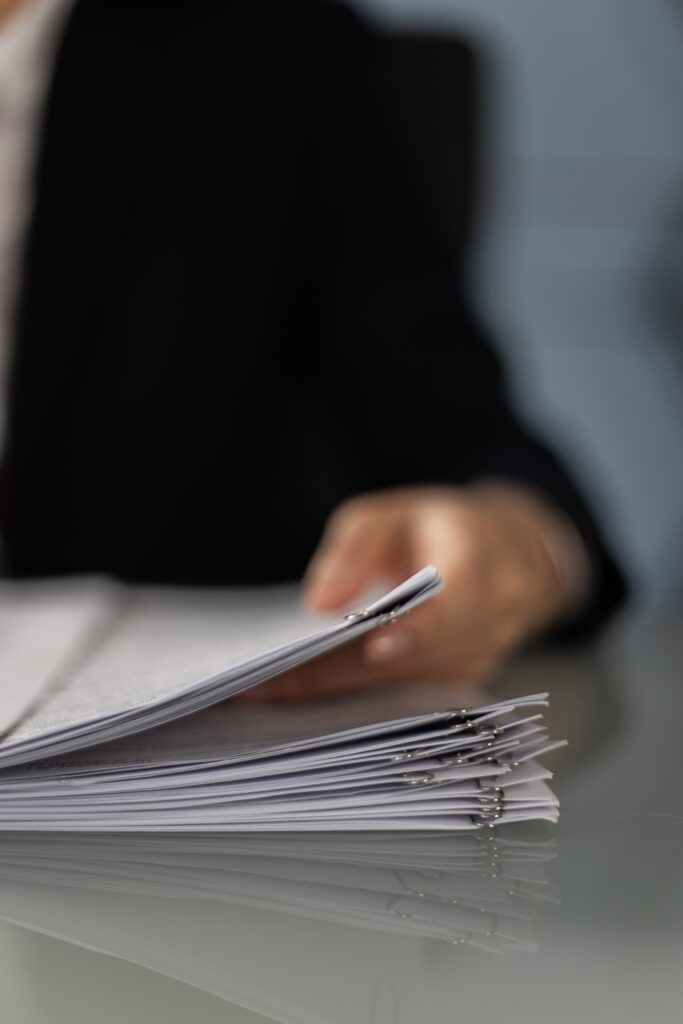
[578, 263]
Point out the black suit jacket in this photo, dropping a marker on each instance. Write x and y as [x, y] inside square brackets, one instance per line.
[241, 303]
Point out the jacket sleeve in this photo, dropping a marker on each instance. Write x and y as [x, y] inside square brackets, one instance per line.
[412, 380]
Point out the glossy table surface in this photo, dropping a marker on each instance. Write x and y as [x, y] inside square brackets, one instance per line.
[582, 921]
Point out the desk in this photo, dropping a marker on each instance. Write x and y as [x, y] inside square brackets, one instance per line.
[598, 939]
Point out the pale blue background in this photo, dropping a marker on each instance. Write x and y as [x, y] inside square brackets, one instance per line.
[580, 268]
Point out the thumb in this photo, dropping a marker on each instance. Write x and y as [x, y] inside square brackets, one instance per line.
[405, 639]
[355, 549]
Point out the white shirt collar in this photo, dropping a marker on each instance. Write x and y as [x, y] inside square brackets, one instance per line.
[24, 44]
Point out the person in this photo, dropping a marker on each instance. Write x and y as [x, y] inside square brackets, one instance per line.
[235, 324]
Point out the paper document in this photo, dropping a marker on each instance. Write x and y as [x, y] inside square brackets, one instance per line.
[43, 628]
[130, 729]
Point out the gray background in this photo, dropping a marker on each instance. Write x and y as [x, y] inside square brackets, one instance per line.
[580, 262]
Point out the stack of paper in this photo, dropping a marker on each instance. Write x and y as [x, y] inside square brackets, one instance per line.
[133, 730]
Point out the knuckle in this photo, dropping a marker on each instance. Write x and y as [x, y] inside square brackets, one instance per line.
[466, 553]
[348, 513]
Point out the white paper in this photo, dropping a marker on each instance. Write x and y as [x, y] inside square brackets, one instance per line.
[44, 628]
[408, 756]
[172, 652]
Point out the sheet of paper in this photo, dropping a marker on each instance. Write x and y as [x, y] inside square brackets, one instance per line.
[233, 728]
[163, 643]
[44, 629]
[173, 652]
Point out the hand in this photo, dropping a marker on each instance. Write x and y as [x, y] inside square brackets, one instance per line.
[511, 566]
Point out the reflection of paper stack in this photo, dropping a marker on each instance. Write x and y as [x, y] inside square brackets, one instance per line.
[478, 889]
[301, 929]
[137, 734]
